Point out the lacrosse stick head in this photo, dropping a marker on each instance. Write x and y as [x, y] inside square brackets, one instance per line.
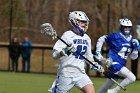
[47, 29]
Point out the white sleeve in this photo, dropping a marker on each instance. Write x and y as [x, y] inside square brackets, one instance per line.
[56, 54]
[89, 51]
[100, 42]
[134, 54]
[59, 46]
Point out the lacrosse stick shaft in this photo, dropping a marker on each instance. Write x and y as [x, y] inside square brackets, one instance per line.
[114, 81]
[63, 41]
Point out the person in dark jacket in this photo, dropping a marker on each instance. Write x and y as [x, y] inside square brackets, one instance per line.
[14, 52]
[26, 54]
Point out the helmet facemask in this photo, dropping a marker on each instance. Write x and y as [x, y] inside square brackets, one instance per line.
[83, 26]
[126, 30]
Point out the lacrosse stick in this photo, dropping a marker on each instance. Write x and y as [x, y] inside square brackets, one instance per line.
[48, 30]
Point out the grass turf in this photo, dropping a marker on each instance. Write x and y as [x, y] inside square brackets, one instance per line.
[11, 82]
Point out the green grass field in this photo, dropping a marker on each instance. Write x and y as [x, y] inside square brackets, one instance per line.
[11, 82]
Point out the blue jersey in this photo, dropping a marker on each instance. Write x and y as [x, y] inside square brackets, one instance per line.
[120, 47]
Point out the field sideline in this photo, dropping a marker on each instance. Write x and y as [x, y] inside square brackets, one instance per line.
[11, 82]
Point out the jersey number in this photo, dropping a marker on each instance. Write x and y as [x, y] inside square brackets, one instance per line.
[124, 52]
[82, 50]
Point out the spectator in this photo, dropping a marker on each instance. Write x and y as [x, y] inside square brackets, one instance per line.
[26, 54]
[14, 52]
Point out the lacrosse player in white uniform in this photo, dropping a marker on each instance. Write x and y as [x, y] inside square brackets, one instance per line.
[122, 45]
[71, 71]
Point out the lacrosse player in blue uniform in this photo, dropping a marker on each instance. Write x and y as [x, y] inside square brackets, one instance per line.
[122, 45]
[71, 71]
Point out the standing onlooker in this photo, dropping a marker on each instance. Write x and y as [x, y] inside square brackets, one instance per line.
[26, 54]
[14, 52]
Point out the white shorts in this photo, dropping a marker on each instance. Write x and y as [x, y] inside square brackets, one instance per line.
[64, 84]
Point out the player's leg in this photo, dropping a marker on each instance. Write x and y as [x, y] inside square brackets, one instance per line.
[28, 64]
[63, 84]
[129, 78]
[84, 83]
[107, 85]
[52, 87]
[23, 65]
[16, 64]
[12, 59]
[128, 75]
[89, 88]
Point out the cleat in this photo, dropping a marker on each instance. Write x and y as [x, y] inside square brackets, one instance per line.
[50, 90]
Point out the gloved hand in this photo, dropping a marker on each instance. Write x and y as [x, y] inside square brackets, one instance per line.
[71, 48]
[135, 43]
[138, 48]
[68, 50]
[108, 62]
[98, 67]
[98, 56]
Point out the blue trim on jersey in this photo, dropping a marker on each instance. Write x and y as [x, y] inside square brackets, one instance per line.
[54, 89]
[77, 33]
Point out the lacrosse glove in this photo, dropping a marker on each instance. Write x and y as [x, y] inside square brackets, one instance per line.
[138, 48]
[107, 62]
[135, 43]
[68, 50]
[97, 67]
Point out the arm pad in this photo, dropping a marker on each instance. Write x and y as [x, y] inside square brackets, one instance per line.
[100, 42]
[56, 54]
[134, 54]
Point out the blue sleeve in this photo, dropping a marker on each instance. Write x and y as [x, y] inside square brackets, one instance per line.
[109, 39]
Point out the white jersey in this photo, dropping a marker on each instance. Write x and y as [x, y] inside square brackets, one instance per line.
[73, 65]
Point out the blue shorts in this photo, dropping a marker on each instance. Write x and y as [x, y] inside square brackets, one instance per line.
[113, 69]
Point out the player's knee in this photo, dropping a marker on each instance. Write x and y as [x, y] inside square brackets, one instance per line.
[133, 78]
[88, 89]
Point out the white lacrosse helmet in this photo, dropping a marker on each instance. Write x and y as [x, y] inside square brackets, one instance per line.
[125, 23]
[76, 16]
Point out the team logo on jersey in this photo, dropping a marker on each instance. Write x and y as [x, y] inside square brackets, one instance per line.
[80, 41]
